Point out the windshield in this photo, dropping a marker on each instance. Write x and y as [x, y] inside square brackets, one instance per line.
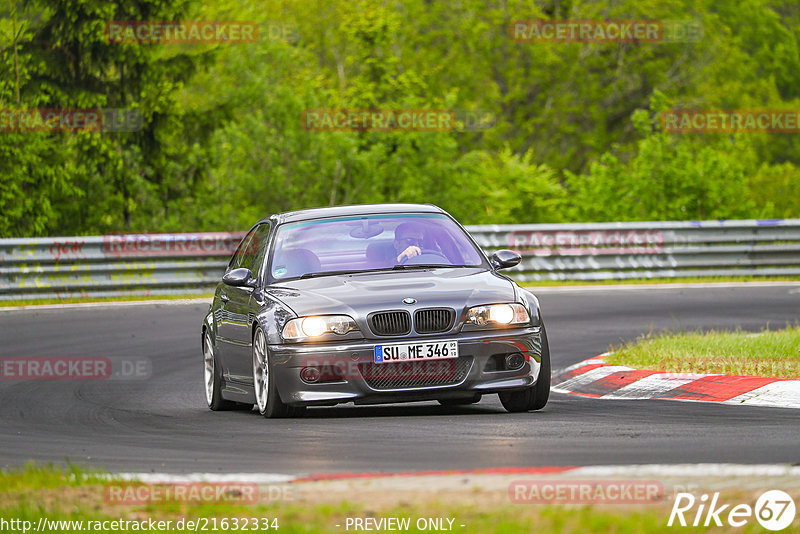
[368, 243]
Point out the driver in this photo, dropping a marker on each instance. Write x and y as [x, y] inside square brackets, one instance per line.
[408, 240]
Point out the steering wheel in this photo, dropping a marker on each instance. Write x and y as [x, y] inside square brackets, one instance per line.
[426, 256]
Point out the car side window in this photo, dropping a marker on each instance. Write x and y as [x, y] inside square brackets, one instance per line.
[236, 260]
[253, 253]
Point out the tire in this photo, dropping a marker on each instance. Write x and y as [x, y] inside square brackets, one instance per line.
[462, 401]
[534, 397]
[268, 400]
[212, 375]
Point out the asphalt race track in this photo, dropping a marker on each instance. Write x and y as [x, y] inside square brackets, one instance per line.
[161, 424]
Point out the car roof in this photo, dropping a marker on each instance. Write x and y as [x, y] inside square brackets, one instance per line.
[356, 209]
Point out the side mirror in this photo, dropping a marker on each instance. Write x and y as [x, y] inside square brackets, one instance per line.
[503, 259]
[241, 277]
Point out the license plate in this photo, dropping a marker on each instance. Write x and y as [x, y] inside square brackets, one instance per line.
[439, 350]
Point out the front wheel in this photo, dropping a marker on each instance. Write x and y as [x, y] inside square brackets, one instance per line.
[268, 401]
[536, 396]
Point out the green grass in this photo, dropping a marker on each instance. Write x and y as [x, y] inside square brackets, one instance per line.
[33, 476]
[127, 298]
[770, 353]
[685, 280]
[70, 494]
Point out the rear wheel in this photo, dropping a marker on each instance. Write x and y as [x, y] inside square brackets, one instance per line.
[461, 401]
[534, 397]
[268, 401]
[212, 375]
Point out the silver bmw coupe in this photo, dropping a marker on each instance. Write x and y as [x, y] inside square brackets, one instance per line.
[370, 304]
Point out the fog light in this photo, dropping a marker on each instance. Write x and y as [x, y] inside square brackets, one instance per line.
[515, 361]
[309, 374]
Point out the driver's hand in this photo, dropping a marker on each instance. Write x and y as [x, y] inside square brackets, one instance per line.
[409, 253]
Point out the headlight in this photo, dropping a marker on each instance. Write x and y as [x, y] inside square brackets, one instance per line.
[316, 326]
[498, 315]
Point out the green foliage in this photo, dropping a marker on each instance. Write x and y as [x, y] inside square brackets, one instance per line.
[667, 179]
[773, 190]
[514, 188]
[222, 142]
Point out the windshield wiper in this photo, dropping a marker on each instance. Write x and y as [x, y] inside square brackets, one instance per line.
[327, 273]
[346, 271]
[402, 267]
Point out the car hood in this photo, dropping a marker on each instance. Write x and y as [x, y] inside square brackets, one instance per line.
[360, 294]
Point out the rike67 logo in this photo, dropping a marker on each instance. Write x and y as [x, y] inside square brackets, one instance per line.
[774, 510]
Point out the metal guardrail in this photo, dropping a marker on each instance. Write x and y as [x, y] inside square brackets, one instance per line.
[113, 265]
[152, 264]
[619, 251]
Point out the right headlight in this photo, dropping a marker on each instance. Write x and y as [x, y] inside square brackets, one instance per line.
[313, 327]
[498, 315]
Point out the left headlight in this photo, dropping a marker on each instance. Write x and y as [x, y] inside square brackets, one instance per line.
[498, 315]
[313, 327]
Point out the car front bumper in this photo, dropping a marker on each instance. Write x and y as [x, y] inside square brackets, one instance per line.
[476, 374]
